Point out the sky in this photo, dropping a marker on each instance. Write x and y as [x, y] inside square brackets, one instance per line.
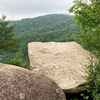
[19, 9]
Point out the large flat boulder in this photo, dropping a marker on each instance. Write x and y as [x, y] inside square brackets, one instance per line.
[17, 83]
[61, 62]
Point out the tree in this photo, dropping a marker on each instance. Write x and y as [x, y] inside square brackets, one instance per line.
[87, 16]
[8, 43]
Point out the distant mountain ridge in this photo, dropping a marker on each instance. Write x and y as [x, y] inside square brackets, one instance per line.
[41, 21]
[53, 27]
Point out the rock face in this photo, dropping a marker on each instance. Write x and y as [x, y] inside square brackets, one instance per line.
[21, 84]
[61, 62]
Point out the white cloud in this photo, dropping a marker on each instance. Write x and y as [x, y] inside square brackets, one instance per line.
[31, 8]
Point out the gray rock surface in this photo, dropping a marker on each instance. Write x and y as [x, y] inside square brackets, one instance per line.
[17, 83]
[61, 62]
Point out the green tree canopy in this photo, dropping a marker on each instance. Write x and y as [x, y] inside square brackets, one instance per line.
[87, 17]
[8, 43]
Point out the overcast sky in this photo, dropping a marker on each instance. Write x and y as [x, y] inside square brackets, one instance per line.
[19, 9]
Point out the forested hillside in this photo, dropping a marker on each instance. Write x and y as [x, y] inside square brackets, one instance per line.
[54, 27]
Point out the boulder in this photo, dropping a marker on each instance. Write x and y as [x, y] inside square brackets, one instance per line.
[63, 62]
[17, 83]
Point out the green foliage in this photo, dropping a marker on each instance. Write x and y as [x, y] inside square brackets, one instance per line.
[55, 27]
[19, 63]
[85, 97]
[93, 78]
[96, 92]
[8, 44]
[88, 18]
